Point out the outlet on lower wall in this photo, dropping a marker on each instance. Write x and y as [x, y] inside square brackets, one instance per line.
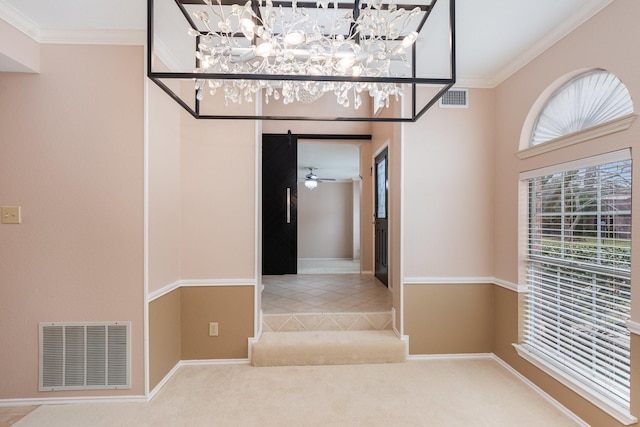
[213, 329]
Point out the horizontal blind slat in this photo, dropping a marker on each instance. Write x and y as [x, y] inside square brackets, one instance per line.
[579, 268]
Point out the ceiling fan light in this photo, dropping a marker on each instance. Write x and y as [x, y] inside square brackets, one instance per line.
[310, 184]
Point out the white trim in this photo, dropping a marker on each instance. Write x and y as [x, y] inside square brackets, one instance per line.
[449, 280]
[581, 389]
[460, 356]
[472, 82]
[585, 13]
[164, 380]
[218, 282]
[93, 37]
[429, 281]
[146, 208]
[206, 362]
[541, 392]
[367, 272]
[257, 223]
[511, 286]
[199, 283]
[634, 327]
[610, 127]
[402, 128]
[601, 159]
[163, 291]
[69, 35]
[71, 400]
[19, 20]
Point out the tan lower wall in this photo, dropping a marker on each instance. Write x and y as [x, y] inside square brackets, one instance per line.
[164, 336]
[449, 318]
[506, 333]
[231, 306]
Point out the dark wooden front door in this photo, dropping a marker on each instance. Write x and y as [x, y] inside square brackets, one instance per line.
[381, 214]
[279, 204]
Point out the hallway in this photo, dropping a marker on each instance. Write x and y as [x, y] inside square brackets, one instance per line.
[324, 293]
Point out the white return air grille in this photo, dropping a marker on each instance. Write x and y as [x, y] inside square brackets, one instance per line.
[455, 98]
[84, 356]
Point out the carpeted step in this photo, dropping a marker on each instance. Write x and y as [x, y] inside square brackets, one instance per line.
[297, 322]
[327, 348]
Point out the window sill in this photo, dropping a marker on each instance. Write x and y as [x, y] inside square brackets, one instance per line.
[613, 126]
[619, 413]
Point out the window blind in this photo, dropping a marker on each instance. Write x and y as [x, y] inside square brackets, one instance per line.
[579, 268]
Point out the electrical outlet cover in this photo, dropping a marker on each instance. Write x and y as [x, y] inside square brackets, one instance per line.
[10, 215]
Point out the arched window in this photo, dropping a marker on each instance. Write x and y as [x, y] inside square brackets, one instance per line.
[587, 100]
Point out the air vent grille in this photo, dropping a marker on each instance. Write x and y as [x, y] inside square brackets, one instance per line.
[84, 356]
[455, 98]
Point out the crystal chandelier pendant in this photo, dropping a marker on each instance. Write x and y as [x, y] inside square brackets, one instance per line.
[379, 60]
[280, 42]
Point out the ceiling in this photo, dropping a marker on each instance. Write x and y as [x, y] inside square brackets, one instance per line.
[495, 38]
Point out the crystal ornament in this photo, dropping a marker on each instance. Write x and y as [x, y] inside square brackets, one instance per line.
[290, 41]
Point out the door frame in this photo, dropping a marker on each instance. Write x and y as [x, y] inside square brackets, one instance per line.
[356, 138]
[383, 147]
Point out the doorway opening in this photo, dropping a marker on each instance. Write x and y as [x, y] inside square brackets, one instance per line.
[329, 197]
[331, 223]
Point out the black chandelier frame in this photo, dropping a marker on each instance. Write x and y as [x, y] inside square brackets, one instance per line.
[443, 84]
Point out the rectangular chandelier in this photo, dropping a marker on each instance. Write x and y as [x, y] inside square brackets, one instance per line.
[359, 60]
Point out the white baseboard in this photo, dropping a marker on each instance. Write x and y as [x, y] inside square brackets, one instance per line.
[164, 380]
[509, 368]
[71, 400]
[450, 356]
[541, 392]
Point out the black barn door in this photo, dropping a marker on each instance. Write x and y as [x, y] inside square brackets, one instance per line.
[381, 170]
[279, 204]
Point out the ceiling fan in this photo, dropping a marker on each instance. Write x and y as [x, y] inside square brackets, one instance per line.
[311, 180]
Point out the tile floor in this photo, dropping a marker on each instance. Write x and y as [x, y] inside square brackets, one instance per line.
[324, 293]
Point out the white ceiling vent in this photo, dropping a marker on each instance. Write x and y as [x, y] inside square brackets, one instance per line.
[455, 98]
[84, 356]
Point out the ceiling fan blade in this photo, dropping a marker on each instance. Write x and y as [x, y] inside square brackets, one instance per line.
[326, 179]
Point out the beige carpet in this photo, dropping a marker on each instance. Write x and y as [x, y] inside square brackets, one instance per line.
[417, 393]
[327, 348]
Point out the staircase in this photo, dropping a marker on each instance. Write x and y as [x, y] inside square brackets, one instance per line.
[327, 339]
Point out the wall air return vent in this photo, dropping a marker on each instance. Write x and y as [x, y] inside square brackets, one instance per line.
[84, 356]
[455, 98]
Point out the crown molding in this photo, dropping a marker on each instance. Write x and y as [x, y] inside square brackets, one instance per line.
[94, 37]
[69, 35]
[474, 82]
[19, 20]
[585, 13]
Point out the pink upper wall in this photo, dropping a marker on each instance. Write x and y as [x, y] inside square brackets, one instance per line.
[71, 155]
[448, 191]
[164, 189]
[607, 41]
[218, 173]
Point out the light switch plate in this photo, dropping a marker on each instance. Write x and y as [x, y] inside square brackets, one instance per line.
[213, 329]
[10, 215]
